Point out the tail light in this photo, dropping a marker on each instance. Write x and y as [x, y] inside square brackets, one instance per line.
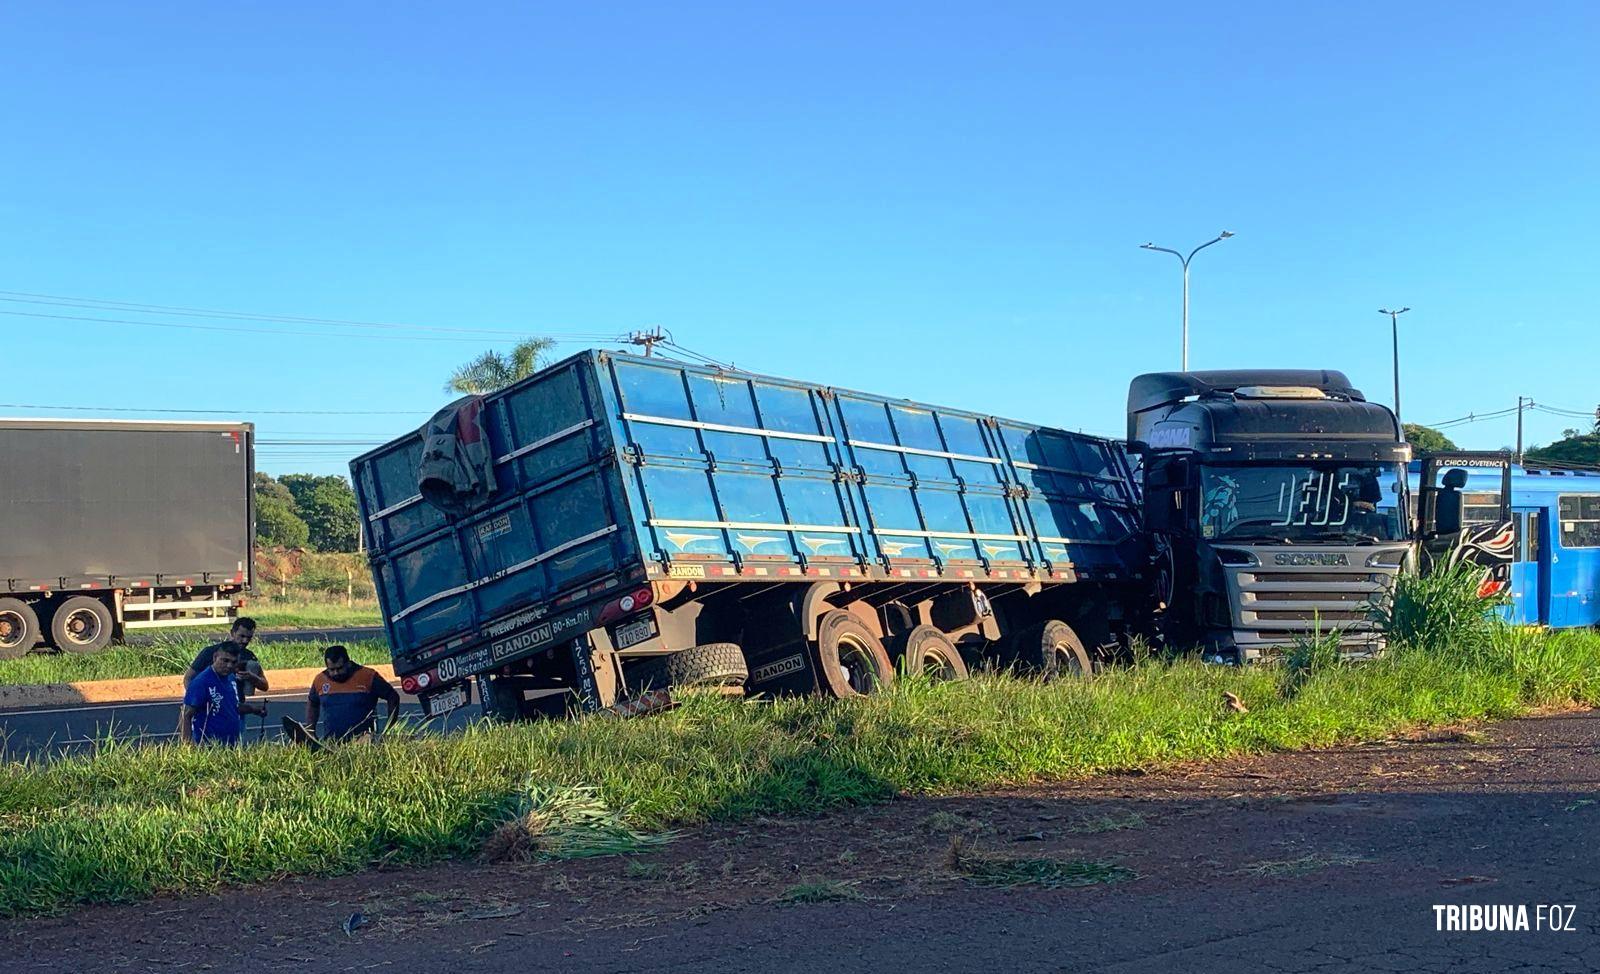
[628, 604]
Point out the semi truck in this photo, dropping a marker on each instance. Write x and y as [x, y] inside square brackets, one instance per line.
[616, 524]
[1276, 506]
[108, 526]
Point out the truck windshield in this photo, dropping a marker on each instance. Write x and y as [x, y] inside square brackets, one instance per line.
[1301, 503]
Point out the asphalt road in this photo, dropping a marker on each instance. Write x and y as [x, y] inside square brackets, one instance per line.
[52, 731]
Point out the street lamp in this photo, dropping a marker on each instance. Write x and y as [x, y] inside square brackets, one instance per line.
[1394, 327]
[1185, 261]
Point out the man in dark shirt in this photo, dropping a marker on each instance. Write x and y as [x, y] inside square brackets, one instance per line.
[210, 713]
[248, 676]
[345, 697]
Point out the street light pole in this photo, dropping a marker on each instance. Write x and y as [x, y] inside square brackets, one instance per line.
[1185, 261]
[1394, 327]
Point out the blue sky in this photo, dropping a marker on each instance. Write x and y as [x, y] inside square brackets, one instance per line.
[937, 201]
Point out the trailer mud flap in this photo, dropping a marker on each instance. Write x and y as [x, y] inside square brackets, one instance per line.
[585, 683]
[782, 670]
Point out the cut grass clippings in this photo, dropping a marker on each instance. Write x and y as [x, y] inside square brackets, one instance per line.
[1002, 873]
[130, 821]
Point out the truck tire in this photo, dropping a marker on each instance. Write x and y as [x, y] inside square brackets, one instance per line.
[19, 628]
[1050, 649]
[928, 651]
[851, 661]
[711, 666]
[81, 625]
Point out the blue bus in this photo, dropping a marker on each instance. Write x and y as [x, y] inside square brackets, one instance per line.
[1555, 547]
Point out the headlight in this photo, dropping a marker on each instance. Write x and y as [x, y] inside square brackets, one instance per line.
[1393, 558]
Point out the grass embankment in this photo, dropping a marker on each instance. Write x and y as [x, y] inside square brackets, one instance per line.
[274, 613]
[130, 822]
[166, 655]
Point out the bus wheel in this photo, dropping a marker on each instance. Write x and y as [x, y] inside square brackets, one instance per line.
[81, 625]
[850, 659]
[930, 652]
[19, 628]
[1050, 649]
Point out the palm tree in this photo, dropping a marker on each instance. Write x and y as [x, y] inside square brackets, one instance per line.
[493, 370]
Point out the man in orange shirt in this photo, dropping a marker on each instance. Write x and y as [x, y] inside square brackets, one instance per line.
[344, 697]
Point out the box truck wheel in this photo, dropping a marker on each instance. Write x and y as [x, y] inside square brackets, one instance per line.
[928, 651]
[850, 659]
[19, 628]
[709, 666]
[1050, 649]
[81, 625]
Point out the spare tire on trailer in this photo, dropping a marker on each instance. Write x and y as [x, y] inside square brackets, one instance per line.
[928, 651]
[19, 628]
[851, 661]
[710, 666]
[81, 625]
[1050, 649]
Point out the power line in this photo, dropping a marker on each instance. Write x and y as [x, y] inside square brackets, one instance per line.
[98, 304]
[225, 412]
[279, 331]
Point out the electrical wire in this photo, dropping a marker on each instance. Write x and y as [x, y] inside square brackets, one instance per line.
[224, 412]
[97, 304]
[276, 331]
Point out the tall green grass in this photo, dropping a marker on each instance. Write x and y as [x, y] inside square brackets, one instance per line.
[166, 655]
[129, 822]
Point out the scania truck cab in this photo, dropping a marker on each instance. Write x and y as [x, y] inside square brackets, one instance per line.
[1276, 503]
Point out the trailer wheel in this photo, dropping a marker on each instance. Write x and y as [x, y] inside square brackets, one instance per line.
[719, 666]
[850, 659]
[927, 650]
[81, 625]
[1050, 649]
[19, 628]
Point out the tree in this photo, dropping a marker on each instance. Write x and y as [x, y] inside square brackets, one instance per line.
[278, 523]
[493, 370]
[1581, 449]
[328, 506]
[1426, 439]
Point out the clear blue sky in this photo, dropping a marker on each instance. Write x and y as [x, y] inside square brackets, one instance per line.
[937, 201]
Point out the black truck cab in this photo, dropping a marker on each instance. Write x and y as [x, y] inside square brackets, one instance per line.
[1276, 503]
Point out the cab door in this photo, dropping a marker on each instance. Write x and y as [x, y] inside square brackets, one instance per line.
[1528, 606]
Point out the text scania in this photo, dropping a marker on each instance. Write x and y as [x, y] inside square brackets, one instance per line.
[1504, 917]
[1311, 558]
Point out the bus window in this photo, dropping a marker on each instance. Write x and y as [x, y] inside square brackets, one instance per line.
[1480, 507]
[1580, 520]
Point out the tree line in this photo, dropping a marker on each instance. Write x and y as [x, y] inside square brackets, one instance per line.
[302, 510]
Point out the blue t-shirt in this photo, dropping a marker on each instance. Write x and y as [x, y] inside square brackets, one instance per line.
[216, 708]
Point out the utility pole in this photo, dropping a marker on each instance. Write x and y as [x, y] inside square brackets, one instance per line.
[1519, 428]
[1185, 261]
[647, 339]
[1394, 326]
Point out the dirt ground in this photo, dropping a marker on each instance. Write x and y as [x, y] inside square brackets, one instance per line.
[1318, 861]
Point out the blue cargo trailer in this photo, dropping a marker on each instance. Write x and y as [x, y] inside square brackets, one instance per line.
[635, 522]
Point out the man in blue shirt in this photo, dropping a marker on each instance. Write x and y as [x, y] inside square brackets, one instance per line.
[210, 713]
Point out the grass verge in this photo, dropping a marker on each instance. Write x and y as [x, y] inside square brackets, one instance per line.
[166, 655]
[129, 822]
[273, 613]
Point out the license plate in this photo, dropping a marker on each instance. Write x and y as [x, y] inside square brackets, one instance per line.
[442, 703]
[634, 633]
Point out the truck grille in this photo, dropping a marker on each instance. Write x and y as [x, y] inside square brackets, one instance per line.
[1282, 603]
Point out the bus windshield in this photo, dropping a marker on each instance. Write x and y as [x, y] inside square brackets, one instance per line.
[1299, 503]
